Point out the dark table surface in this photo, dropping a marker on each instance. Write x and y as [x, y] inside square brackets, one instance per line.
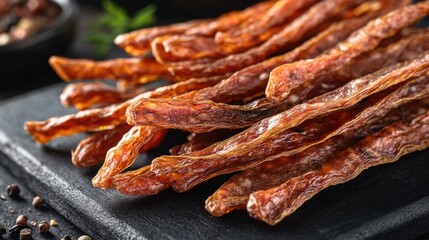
[11, 208]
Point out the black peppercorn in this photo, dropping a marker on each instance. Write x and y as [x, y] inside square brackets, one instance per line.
[66, 237]
[37, 201]
[25, 234]
[84, 237]
[43, 226]
[13, 190]
[21, 220]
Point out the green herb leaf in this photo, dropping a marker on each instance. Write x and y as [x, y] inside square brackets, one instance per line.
[117, 12]
[115, 21]
[143, 17]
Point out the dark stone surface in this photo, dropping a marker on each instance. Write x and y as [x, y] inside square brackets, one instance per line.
[11, 208]
[385, 202]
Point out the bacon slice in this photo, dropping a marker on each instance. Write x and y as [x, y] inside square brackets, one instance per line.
[107, 117]
[268, 138]
[95, 94]
[287, 77]
[386, 146]
[234, 193]
[204, 116]
[140, 70]
[297, 31]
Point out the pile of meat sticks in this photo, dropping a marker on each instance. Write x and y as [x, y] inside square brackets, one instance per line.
[295, 96]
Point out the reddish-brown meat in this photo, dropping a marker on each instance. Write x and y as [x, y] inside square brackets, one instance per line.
[289, 76]
[386, 146]
[268, 138]
[107, 117]
[245, 37]
[140, 70]
[95, 94]
[297, 31]
[204, 116]
[93, 149]
[234, 193]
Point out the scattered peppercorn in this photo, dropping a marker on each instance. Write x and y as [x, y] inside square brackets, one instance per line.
[2, 197]
[21, 220]
[3, 230]
[14, 231]
[84, 237]
[66, 237]
[13, 190]
[43, 226]
[37, 201]
[25, 234]
[53, 223]
[33, 223]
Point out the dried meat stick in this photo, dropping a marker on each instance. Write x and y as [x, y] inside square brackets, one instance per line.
[339, 97]
[289, 76]
[293, 33]
[177, 48]
[140, 70]
[204, 116]
[369, 112]
[386, 146]
[174, 48]
[132, 182]
[137, 43]
[245, 37]
[202, 140]
[93, 149]
[125, 152]
[253, 79]
[107, 117]
[94, 94]
[231, 19]
[268, 138]
[234, 193]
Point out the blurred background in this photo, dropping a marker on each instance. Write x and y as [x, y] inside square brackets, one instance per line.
[74, 33]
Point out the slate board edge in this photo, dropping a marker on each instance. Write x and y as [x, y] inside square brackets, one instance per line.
[25, 168]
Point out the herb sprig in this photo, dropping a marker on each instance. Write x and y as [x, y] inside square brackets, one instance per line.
[114, 21]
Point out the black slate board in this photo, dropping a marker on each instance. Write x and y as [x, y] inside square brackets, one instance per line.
[385, 202]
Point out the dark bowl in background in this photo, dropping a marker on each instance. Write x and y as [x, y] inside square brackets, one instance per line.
[30, 56]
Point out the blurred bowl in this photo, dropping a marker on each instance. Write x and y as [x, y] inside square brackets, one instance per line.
[30, 55]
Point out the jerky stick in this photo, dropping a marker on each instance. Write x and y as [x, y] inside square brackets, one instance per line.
[92, 150]
[87, 95]
[268, 137]
[386, 146]
[107, 117]
[140, 70]
[287, 77]
[205, 116]
[292, 34]
[243, 38]
[253, 79]
[234, 193]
